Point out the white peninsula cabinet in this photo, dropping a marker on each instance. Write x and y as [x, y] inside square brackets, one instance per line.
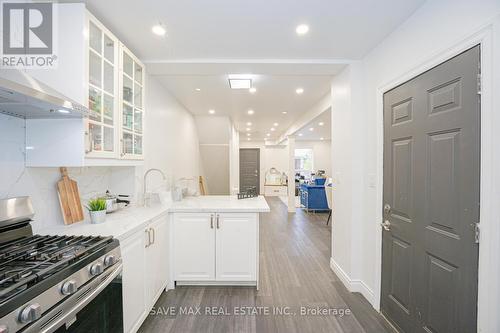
[145, 271]
[215, 240]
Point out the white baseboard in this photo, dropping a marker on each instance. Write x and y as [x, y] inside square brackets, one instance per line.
[353, 285]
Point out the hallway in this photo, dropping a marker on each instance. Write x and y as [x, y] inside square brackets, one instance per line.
[295, 276]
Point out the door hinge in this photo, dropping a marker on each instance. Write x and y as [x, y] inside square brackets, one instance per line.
[479, 84]
[477, 232]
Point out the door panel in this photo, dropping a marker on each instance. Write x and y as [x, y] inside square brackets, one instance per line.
[156, 258]
[249, 169]
[194, 247]
[431, 182]
[236, 247]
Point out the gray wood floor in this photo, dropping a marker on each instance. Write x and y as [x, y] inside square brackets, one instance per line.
[294, 273]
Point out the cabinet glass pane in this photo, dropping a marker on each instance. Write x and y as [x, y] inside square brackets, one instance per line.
[127, 90]
[108, 138]
[95, 104]
[137, 145]
[128, 65]
[138, 73]
[95, 132]
[127, 143]
[108, 78]
[137, 96]
[138, 121]
[95, 38]
[127, 116]
[108, 108]
[95, 70]
[109, 49]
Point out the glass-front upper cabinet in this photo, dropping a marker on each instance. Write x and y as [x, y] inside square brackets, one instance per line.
[131, 105]
[102, 125]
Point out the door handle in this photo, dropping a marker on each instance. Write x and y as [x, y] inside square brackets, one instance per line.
[218, 221]
[149, 238]
[211, 221]
[154, 235]
[386, 225]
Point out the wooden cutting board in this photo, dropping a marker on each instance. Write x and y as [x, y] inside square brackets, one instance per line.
[69, 198]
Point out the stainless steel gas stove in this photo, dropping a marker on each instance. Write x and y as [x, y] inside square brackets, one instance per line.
[56, 283]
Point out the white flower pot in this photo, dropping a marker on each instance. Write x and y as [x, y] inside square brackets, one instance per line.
[97, 216]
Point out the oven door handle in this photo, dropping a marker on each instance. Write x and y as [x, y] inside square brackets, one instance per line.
[82, 297]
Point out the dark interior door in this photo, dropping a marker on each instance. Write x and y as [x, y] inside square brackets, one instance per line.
[431, 199]
[249, 169]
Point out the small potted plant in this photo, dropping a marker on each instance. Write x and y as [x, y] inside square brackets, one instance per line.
[97, 210]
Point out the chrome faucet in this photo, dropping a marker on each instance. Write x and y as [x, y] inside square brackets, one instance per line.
[145, 177]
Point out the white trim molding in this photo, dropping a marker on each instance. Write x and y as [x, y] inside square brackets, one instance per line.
[352, 285]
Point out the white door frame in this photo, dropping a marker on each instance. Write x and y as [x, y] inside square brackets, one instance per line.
[490, 231]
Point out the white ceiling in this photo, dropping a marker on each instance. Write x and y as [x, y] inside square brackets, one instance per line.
[207, 40]
[319, 131]
[257, 29]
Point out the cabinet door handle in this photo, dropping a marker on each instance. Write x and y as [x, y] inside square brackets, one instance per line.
[149, 238]
[154, 235]
[217, 221]
[211, 221]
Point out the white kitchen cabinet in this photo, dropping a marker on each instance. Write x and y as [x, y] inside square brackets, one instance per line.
[194, 247]
[133, 281]
[215, 248]
[145, 271]
[275, 190]
[236, 247]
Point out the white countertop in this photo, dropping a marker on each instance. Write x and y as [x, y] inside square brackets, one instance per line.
[127, 221]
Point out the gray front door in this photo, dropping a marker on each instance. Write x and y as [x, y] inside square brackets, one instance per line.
[249, 169]
[431, 199]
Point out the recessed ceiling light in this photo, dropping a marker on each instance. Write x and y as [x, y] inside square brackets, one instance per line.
[275, 124]
[321, 123]
[268, 134]
[159, 29]
[240, 83]
[63, 111]
[300, 134]
[299, 91]
[249, 134]
[250, 112]
[252, 90]
[311, 129]
[248, 139]
[197, 89]
[302, 29]
[284, 112]
[322, 139]
[211, 111]
[249, 124]
[248, 129]
[273, 129]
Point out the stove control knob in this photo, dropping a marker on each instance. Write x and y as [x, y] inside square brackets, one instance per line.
[69, 287]
[109, 260]
[4, 329]
[96, 268]
[30, 313]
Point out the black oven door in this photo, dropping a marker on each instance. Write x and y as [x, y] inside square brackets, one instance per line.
[95, 308]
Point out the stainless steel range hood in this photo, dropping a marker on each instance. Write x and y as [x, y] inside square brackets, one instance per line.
[25, 97]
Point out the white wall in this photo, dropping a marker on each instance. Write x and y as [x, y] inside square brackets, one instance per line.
[433, 30]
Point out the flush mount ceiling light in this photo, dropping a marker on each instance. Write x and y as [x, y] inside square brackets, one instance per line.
[268, 134]
[300, 134]
[252, 90]
[273, 129]
[311, 129]
[197, 89]
[211, 111]
[275, 124]
[250, 112]
[248, 129]
[299, 91]
[249, 124]
[284, 112]
[321, 123]
[159, 29]
[322, 139]
[302, 29]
